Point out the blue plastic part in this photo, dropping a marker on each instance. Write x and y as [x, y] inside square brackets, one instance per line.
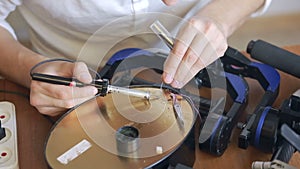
[271, 75]
[260, 125]
[126, 53]
[239, 86]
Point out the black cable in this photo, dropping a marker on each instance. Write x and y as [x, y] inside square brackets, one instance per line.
[58, 60]
[48, 61]
[15, 93]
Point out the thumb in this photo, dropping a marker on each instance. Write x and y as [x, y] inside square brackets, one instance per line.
[81, 72]
[169, 2]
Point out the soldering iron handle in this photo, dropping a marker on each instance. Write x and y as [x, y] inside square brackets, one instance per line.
[275, 56]
[58, 80]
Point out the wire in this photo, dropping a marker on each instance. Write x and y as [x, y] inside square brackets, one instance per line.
[48, 61]
[59, 60]
[189, 99]
[15, 93]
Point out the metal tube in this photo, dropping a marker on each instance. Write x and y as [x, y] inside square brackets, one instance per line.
[127, 138]
[128, 91]
[162, 33]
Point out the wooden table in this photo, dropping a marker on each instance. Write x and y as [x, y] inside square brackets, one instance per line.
[33, 128]
[236, 158]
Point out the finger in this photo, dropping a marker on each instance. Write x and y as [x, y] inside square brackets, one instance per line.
[222, 47]
[169, 2]
[64, 97]
[51, 111]
[41, 100]
[63, 92]
[216, 46]
[54, 111]
[170, 67]
[186, 74]
[191, 56]
[79, 92]
[207, 57]
[81, 72]
[184, 38]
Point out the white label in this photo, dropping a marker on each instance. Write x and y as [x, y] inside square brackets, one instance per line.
[159, 150]
[74, 152]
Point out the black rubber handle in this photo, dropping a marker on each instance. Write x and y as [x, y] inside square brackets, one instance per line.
[275, 56]
[290, 144]
[284, 153]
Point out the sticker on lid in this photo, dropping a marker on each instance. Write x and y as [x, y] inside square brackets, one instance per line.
[74, 152]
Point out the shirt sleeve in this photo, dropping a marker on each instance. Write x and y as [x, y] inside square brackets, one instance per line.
[6, 7]
[262, 9]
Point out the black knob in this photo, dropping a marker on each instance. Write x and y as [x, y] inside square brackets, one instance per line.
[295, 103]
[2, 131]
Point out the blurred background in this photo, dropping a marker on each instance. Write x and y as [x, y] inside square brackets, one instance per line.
[280, 25]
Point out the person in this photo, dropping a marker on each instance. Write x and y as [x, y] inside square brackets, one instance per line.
[60, 28]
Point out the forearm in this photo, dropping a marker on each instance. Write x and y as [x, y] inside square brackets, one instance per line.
[230, 14]
[16, 60]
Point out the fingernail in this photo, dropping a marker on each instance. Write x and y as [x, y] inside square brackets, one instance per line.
[170, 2]
[85, 78]
[177, 84]
[168, 78]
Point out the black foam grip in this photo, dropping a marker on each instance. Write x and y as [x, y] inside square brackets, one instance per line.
[275, 56]
[284, 153]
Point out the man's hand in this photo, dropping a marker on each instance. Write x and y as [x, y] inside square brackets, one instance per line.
[52, 99]
[204, 38]
[199, 43]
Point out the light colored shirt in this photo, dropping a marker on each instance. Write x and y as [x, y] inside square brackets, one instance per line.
[91, 30]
